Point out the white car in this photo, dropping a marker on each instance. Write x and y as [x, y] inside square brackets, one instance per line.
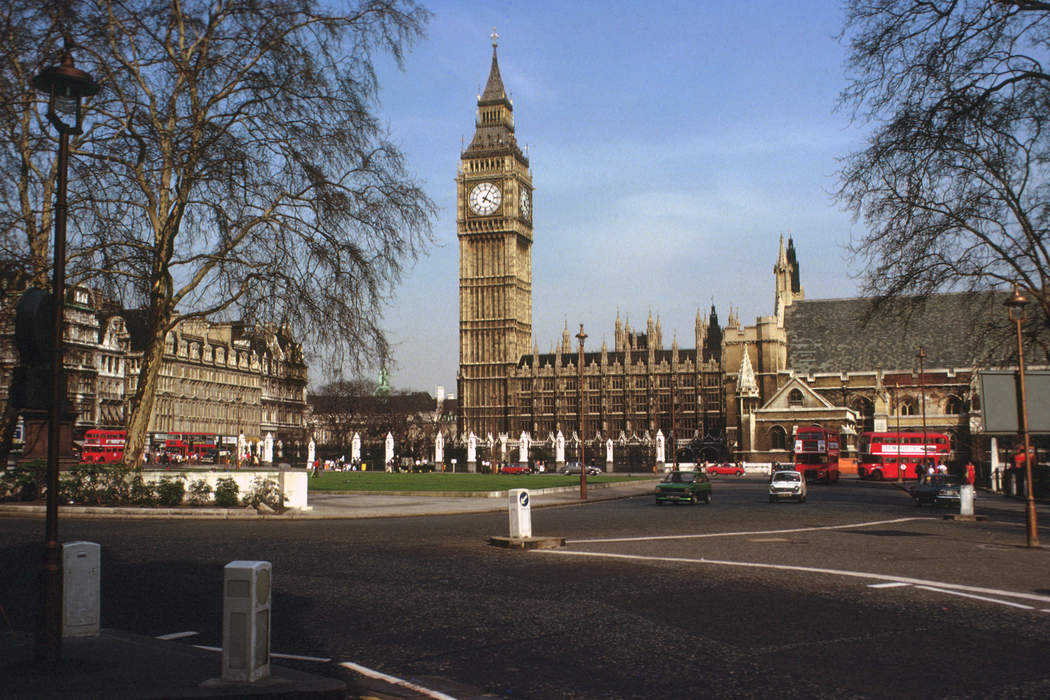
[787, 484]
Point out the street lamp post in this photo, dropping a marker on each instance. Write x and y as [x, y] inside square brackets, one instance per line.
[1015, 304]
[922, 397]
[64, 85]
[900, 453]
[581, 336]
[674, 423]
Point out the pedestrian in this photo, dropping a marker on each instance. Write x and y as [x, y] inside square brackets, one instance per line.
[971, 475]
[942, 468]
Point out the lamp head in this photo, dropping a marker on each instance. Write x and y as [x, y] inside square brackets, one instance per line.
[1016, 303]
[65, 85]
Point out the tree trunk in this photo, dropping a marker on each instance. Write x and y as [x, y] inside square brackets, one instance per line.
[145, 393]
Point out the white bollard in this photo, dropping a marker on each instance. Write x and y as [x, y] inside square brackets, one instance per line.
[520, 514]
[246, 621]
[81, 591]
[966, 499]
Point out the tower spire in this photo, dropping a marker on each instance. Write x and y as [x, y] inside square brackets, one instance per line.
[494, 90]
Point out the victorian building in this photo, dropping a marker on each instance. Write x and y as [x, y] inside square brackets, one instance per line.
[227, 379]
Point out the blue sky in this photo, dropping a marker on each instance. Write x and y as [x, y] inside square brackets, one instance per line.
[671, 144]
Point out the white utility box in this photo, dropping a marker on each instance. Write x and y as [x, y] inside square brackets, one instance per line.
[246, 621]
[520, 514]
[966, 499]
[81, 591]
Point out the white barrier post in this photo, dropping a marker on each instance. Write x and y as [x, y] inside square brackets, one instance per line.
[246, 621]
[966, 499]
[520, 514]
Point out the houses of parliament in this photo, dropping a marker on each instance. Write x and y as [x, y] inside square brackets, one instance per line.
[741, 391]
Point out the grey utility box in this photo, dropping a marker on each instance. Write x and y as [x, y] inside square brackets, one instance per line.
[520, 514]
[81, 590]
[246, 621]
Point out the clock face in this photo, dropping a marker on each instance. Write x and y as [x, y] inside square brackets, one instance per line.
[526, 204]
[484, 198]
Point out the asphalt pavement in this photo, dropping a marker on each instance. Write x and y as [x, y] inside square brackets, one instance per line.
[120, 664]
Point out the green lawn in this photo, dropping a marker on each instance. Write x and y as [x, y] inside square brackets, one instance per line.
[383, 481]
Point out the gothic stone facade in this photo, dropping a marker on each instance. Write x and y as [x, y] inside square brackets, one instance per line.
[810, 362]
[842, 365]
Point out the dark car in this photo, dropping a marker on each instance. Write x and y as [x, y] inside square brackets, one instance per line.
[938, 490]
[689, 487]
[574, 468]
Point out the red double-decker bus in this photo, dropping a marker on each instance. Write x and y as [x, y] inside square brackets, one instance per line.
[103, 446]
[816, 454]
[898, 455]
[204, 447]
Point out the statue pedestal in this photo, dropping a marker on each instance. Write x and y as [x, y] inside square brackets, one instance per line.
[35, 439]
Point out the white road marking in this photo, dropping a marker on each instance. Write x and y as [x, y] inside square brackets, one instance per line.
[977, 597]
[371, 673]
[805, 569]
[296, 657]
[274, 654]
[177, 635]
[891, 584]
[745, 533]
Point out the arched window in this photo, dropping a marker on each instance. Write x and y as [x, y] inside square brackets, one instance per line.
[907, 407]
[795, 397]
[954, 406]
[777, 438]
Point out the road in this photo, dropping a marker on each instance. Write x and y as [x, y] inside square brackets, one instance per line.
[856, 593]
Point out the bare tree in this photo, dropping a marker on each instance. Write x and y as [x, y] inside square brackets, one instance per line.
[234, 168]
[953, 182]
[30, 31]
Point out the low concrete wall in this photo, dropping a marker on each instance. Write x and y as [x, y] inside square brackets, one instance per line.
[291, 482]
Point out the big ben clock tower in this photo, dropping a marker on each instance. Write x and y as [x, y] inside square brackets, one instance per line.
[494, 225]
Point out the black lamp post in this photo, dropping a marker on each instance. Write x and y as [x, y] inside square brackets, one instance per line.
[64, 85]
[1015, 304]
[922, 397]
[581, 336]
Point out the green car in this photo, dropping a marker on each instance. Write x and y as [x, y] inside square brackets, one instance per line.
[684, 486]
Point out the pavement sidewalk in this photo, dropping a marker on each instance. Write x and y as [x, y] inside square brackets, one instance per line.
[119, 664]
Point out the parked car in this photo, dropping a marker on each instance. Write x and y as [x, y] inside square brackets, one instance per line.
[725, 468]
[691, 487]
[574, 468]
[938, 490]
[516, 469]
[787, 484]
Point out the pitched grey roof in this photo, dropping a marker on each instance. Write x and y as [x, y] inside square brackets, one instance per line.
[845, 335]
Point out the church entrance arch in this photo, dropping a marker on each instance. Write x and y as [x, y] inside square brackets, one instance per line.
[865, 411]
